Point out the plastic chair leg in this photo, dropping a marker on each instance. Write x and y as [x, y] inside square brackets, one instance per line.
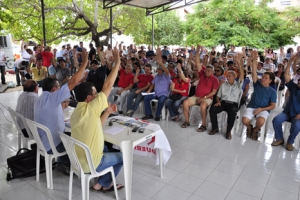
[70, 184]
[114, 182]
[37, 165]
[49, 172]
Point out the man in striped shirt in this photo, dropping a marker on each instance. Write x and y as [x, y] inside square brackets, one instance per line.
[26, 102]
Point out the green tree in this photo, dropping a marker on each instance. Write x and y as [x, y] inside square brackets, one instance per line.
[168, 30]
[241, 23]
[84, 19]
[5, 17]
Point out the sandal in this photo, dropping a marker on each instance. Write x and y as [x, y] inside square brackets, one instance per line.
[249, 132]
[185, 124]
[111, 188]
[254, 135]
[94, 190]
[176, 118]
[201, 129]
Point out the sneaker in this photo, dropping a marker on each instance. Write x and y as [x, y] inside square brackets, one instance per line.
[157, 119]
[277, 142]
[289, 147]
[129, 113]
[147, 117]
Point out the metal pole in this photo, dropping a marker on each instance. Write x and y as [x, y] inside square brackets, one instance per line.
[110, 25]
[43, 22]
[153, 32]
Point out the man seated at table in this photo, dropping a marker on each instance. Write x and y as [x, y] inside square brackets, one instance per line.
[48, 111]
[62, 72]
[161, 85]
[227, 99]
[39, 73]
[206, 89]
[143, 83]
[87, 128]
[26, 102]
[262, 101]
[124, 85]
[290, 113]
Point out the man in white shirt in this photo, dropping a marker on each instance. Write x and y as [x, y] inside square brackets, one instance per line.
[2, 66]
[268, 65]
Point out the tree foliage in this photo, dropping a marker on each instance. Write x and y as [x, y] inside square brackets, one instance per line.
[168, 30]
[5, 17]
[70, 19]
[241, 23]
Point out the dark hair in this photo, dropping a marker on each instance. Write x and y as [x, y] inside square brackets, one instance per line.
[230, 62]
[63, 46]
[83, 90]
[29, 51]
[95, 62]
[91, 45]
[137, 64]
[49, 83]
[61, 60]
[148, 65]
[272, 77]
[164, 57]
[30, 86]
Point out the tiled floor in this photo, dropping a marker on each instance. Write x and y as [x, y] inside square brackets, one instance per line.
[201, 167]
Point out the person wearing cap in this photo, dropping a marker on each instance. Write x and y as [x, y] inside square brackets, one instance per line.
[63, 73]
[161, 86]
[39, 73]
[124, 85]
[98, 72]
[290, 113]
[48, 111]
[206, 89]
[227, 100]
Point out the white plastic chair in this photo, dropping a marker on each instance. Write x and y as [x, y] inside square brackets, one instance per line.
[34, 126]
[69, 144]
[286, 134]
[18, 117]
[277, 79]
[163, 111]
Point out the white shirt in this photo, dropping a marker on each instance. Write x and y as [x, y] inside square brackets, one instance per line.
[25, 55]
[269, 66]
[2, 58]
[25, 106]
[229, 92]
[108, 54]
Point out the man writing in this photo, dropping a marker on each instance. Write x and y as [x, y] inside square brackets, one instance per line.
[87, 128]
[262, 101]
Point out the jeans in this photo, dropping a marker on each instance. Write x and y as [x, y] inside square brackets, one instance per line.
[148, 108]
[173, 106]
[138, 99]
[61, 159]
[2, 69]
[277, 124]
[109, 159]
[230, 108]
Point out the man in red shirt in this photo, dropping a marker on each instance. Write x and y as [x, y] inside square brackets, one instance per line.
[144, 82]
[47, 56]
[124, 85]
[206, 89]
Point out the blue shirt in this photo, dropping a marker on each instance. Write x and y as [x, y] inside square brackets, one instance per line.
[162, 85]
[262, 96]
[293, 106]
[165, 52]
[48, 112]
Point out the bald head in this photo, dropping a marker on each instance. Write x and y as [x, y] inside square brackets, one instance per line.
[30, 86]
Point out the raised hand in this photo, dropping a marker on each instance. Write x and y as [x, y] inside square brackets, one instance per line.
[116, 55]
[84, 56]
[158, 55]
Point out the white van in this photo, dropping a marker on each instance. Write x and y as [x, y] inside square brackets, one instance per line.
[7, 46]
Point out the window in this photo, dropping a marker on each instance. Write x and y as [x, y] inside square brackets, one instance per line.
[285, 2]
[3, 41]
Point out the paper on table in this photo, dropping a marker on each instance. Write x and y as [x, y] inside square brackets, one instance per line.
[145, 93]
[114, 130]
